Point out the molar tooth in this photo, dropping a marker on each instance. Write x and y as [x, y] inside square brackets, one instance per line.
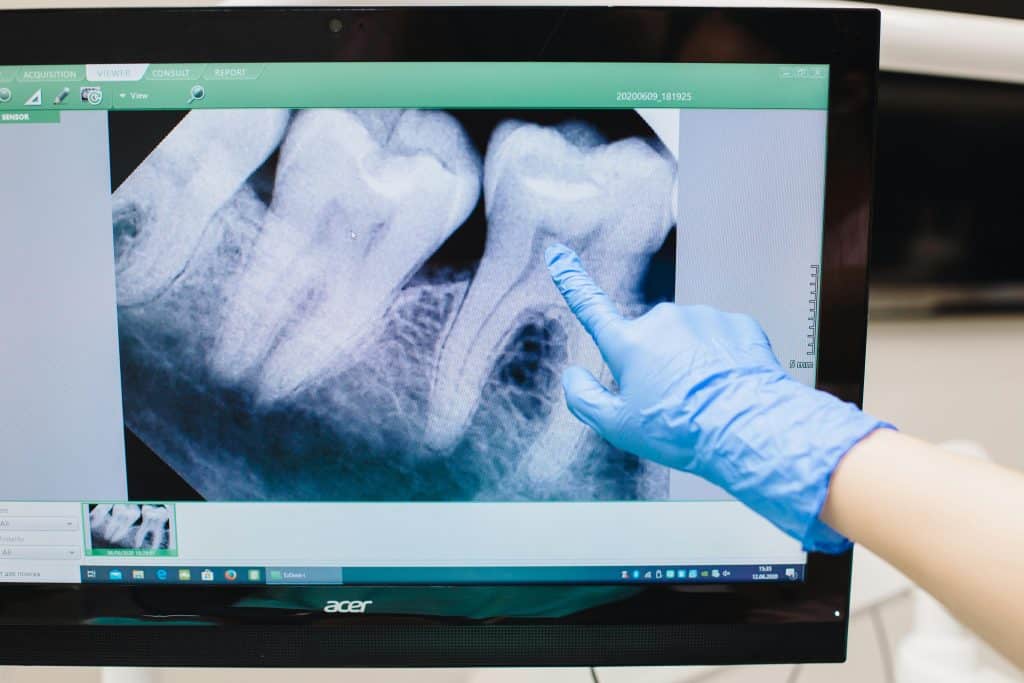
[121, 523]
[162, 210]
[152, 533]
[362, 199]
[99, 517]
[611, 202]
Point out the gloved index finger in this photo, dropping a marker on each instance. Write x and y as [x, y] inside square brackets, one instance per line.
[588, 302]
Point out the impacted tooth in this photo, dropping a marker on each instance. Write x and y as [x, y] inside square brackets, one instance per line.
[163, 208]
[542, 185]
[361, 200]
[154, 522]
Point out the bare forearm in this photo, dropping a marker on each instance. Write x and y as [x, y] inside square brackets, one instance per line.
[952, 524]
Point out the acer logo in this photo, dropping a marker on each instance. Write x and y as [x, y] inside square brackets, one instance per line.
[347, 606]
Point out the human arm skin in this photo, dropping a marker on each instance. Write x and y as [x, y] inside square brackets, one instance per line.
[952, 524]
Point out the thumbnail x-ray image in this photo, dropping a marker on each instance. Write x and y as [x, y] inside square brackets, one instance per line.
[354, 305]
[130, 527]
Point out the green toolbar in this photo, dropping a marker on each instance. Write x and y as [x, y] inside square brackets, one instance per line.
[429, 85]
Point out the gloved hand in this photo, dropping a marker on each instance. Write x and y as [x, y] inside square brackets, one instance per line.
[700, 390]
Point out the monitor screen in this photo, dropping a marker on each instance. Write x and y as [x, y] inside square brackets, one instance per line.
[290, 322]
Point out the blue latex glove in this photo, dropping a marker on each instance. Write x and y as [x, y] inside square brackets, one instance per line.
[701, 391]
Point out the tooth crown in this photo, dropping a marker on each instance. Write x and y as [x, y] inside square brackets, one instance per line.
[574, 189]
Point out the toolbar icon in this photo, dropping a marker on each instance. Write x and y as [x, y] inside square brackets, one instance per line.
[255, 575]
[206, 575]
[670, 573]
[197, 93]
[115, 575]
[91, 94]
[184, 575]
[161, 574]
[61, 96]
[230, 575]
[693, 573]
[35, 99]
[138, 574]
[715, 573]
[5, 95]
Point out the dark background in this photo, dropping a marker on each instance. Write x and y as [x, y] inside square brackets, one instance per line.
[949, 179]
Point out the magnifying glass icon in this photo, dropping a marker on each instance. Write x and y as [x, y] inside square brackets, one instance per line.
[198, 92]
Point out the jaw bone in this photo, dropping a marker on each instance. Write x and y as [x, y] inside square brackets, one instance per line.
[610, 202]
[361, 200]
[161, 211]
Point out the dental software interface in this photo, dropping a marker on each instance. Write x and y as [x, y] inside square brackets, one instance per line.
[291, 323]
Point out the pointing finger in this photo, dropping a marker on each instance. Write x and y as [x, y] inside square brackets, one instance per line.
[588, 302]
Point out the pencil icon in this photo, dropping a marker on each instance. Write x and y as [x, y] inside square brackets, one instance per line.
[61, 96]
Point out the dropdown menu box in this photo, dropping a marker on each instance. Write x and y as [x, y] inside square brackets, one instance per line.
[38, 524]
[37, 552]
[35, 536]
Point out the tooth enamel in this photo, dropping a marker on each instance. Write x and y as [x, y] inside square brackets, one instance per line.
[152, 533]
[542, 185]
[162, 209]
[361, 200]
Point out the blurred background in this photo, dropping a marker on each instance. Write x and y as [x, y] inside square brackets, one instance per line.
[945, 342]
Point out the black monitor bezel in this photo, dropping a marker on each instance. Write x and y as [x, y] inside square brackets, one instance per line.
[467, 625]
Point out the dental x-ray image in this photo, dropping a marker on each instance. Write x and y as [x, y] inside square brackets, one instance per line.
[130, 528]
[353, 305]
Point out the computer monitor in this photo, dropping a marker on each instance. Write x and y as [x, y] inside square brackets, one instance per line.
[281, 357]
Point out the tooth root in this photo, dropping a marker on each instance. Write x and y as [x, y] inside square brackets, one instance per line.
[162, 210]
[361, 201]
[552, 452]
[610, 202]
[152, 532]
[470, 351]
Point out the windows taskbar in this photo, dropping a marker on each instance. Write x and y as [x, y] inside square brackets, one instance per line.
[371, 576]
